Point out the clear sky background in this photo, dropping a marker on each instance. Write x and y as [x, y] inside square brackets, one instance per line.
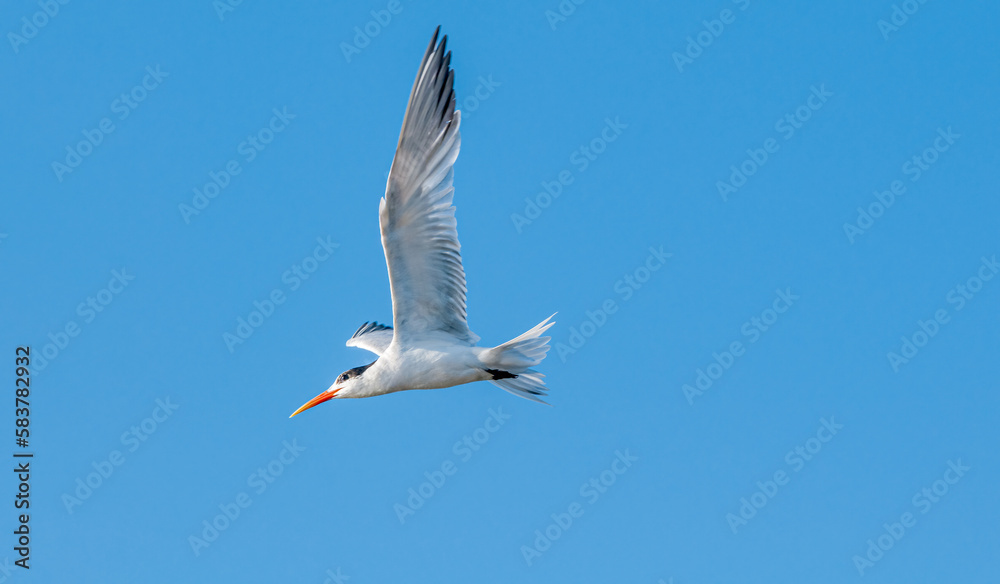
[864, 100]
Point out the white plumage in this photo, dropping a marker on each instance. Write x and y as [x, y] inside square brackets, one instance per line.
[430, 345]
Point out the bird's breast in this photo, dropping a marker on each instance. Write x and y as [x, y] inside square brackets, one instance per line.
[432, 368]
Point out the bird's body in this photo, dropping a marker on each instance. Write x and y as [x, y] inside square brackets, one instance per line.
[430, 345]
[430, 365]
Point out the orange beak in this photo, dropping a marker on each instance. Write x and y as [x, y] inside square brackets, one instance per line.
[325, 396]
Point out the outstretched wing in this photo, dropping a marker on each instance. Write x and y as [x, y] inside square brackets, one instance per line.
[371, 336]
[416, 216]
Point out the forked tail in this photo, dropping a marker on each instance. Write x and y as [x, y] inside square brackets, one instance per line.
[511, 363]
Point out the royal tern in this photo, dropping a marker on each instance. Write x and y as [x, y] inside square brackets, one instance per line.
[430, 345]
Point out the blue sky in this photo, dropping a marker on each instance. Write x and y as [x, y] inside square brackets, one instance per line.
[772, 254]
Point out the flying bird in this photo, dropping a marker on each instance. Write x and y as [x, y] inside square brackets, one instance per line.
[430, 345]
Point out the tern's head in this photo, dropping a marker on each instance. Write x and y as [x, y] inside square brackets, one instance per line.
[348, 384]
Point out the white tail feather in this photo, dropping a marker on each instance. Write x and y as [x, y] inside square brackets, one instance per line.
[518, 356]
[528, 385]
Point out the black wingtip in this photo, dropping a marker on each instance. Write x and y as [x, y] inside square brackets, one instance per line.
[369, 327]
[433, 43]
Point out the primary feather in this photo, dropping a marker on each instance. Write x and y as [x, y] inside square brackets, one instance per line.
[371, 336]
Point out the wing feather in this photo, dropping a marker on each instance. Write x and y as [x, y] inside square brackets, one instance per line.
[371, 336]
[417, 217]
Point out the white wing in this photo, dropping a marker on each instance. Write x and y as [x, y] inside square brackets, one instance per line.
[371, 336]
[416, 216]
